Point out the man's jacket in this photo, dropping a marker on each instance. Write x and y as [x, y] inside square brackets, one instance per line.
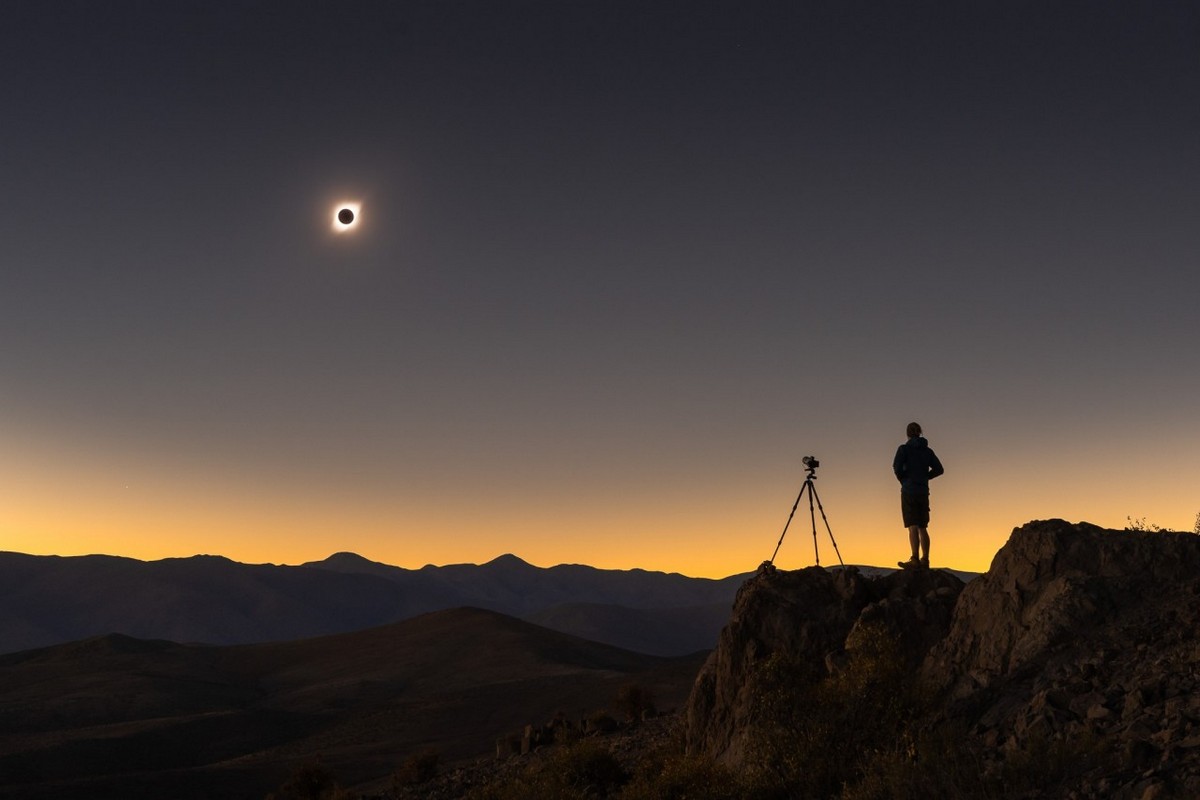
[916, 465]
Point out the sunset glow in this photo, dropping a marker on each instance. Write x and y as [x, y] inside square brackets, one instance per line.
[74, 502]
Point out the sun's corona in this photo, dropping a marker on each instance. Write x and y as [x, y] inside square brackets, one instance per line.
[346, 216]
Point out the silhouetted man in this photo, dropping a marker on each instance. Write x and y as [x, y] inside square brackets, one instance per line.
[915, 466]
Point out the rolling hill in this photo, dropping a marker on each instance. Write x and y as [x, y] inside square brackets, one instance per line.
[115, 716]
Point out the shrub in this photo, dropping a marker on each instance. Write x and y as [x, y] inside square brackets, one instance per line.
[310, 781]
[567, 734]
[582, 771]
[943, 762]
[633, 702]
[417, 768]
[684, 778]
[814, 736]
[1055, 764]
[601, 721]
[588, 764]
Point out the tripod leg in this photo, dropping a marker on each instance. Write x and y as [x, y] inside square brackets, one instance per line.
[827, 528]
[795, 505]
[812, 492]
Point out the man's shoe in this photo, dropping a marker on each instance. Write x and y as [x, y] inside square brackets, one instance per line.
[912, 563]
[924, 563]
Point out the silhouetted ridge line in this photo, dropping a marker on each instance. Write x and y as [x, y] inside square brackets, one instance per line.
[49, 599]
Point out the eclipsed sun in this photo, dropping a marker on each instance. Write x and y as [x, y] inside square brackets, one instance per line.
[346, 217]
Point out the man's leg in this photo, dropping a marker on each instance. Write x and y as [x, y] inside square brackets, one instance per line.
[914, 534]
[924, 536]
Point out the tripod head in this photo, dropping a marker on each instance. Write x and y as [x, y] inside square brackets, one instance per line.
[810, 466]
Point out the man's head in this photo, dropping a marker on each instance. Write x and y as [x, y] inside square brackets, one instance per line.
[913, 429]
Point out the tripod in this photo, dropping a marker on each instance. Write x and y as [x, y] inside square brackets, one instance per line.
[811, 468]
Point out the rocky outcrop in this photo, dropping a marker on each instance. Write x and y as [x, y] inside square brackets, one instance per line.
[1077, 638]
[809, 617]
[1077, 632]
[1053, 585]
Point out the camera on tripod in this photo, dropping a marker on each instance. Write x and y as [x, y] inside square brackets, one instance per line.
[810, 464]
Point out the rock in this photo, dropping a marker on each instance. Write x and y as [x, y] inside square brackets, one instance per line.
[1153, 791]
[507, 746]
[805, 616]
[836, 661]
[1076, 635]
[1134, 705]
[1052, 582]
[1141, 753]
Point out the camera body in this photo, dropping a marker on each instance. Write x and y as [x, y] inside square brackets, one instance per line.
[810, 462]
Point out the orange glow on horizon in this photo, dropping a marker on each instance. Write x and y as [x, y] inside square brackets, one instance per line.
[72, 502]
[162, 524]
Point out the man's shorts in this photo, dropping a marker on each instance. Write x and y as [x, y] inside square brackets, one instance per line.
[915, 508]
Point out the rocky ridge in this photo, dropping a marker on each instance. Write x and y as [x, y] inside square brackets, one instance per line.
[1077, 639]
[811, 616]
[1080, 633]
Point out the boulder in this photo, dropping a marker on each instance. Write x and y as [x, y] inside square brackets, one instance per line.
[812, 617]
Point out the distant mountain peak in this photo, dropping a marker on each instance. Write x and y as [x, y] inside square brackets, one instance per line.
[508, 560]
[353, 563]
[346, 557]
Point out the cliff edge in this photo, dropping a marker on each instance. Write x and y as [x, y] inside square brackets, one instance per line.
[1079, 646]
[810, 617]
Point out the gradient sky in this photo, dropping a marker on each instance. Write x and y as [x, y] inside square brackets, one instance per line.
[620, 265]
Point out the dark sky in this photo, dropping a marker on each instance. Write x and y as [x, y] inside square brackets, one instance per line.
[619, 266]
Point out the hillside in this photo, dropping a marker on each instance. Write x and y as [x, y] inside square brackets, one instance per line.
[656, 631]
[120, 717]
[46, 600]
[1069, 669]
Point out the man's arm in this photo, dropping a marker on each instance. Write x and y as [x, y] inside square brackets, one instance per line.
[898, 465]
[935, 466]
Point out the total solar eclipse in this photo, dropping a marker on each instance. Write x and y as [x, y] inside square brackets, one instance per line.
[346, 217]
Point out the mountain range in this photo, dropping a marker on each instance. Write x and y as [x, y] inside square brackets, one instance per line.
[47, 600]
